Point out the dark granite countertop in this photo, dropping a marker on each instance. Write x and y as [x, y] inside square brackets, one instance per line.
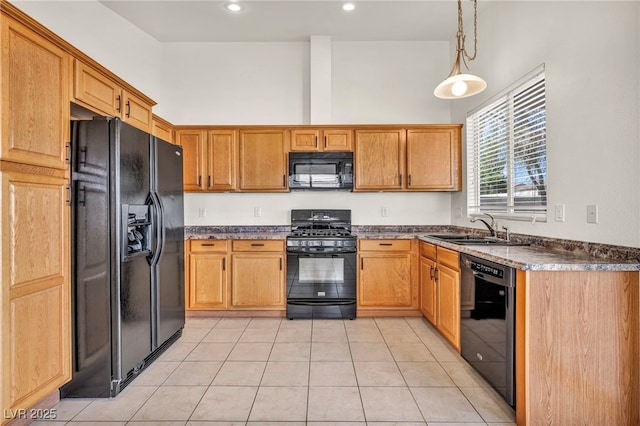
[543, 253]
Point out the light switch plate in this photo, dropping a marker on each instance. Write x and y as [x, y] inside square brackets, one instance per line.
[560, 213]
[257, 211]
[202, 212]
[592, 213]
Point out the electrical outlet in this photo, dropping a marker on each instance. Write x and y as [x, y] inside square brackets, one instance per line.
[560, 213]
[257, 211]
[458, 212]
[202, 212]
[384, 211]
[592, 213]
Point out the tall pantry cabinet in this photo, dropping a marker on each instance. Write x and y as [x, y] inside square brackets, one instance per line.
[35, 359]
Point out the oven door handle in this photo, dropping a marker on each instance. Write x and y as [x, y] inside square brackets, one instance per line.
[303, 303]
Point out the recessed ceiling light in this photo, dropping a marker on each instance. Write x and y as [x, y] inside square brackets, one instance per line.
[233, 6]
[348, 7]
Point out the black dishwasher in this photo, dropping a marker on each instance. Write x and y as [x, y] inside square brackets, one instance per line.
[487, 323]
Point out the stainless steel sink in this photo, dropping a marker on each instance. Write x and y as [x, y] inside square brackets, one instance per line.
[468, 240]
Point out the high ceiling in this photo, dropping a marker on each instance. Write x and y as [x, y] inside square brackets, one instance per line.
[264, 20]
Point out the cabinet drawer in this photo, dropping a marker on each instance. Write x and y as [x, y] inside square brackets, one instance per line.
[448, 258]
[385, 245]
[258, 245]
[428, 250]
[209, 245]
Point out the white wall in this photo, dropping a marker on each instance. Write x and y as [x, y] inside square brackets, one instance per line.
[104, 36]
[591, 51]
[238, 209]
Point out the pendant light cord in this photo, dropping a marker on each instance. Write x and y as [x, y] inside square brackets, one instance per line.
[461, 37]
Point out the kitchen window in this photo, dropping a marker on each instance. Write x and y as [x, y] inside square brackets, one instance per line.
[507, 153]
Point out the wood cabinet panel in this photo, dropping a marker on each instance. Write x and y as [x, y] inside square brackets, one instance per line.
[209, 245]
[221, 160]
[385, 280]
[136, 112]
[35, 98]
[314, 139]
[193, 143]
[40, 344]
[385, 245]
[380, 159]
[448, 258]
[305, 140]
[263, 160]
[258, 281]
[428, 289]
[95, 90]
[448, 307]
[162, 129]
[581, 349]
[36, 343]
[258, 245]
[337, 140]
[208, 281]
[434, 159]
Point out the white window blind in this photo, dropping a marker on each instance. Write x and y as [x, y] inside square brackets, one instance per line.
[507, 153]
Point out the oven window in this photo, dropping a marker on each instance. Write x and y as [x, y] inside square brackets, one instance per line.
[321, 270]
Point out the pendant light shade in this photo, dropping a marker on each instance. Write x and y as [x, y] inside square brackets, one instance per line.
[458, 84]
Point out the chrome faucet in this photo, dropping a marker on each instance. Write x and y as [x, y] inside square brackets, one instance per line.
[492, 227]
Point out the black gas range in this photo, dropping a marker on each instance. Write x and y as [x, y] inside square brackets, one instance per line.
[321, 265]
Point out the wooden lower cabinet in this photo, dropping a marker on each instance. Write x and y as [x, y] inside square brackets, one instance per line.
[387, 276]
[35, 298]
[258, 274]
[208, 275]
[440, 290]
[238, 274]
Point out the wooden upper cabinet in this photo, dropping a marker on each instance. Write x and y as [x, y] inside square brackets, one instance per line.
[222, 148]
[35, 98]
[193, 143]
[380, 159]
[162, 129]
[321, 140]
[136, 112]
[98, 92]
[263, 160]
[434, 159]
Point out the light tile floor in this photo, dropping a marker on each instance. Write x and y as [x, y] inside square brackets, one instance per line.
[265, 371]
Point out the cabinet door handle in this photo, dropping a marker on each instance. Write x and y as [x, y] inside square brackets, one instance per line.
[325, 141]
[409, 180]
[128, 113]
[400, 180]
[68, 153]
[257, 245]
[69, 195]
[119, 103]
[281, 264]
[284, 181]
[209, 181]
[224, 263]
[437, 275]
[199, 180]
[361, 264]
[208, 245]
[316, 141]
[386, 244]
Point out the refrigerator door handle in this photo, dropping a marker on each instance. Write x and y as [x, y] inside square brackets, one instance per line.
[157, 227]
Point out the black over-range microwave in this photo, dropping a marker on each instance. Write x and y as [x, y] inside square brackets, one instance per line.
[321, 171]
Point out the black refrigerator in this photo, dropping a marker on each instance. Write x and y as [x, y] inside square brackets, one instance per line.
[127, 253]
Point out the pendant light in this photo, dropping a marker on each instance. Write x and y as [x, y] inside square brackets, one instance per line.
[460, 85]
